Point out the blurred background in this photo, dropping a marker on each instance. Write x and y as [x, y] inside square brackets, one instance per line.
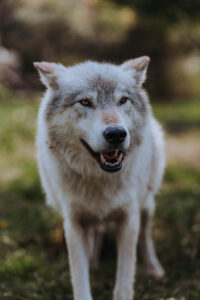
[33, 260]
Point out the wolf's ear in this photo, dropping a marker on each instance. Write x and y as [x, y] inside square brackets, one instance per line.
[139, 65]
[49, 73]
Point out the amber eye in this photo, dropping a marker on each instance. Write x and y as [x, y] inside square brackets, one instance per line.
[123, 100]
[86, 102]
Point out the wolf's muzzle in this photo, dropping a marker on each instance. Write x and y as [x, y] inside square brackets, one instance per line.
[110, 161]
[115, 135]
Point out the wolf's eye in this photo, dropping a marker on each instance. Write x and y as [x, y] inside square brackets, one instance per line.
[86, 102]
[123, 100]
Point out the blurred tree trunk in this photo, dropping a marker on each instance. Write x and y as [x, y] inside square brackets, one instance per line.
[146, 39]
[151, 36]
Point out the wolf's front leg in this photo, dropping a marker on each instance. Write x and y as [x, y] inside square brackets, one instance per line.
[127, 244]
[77, 243]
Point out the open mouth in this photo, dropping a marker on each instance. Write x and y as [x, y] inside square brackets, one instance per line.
[110, 161]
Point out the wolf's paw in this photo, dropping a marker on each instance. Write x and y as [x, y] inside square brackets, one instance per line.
[156, 273]
[123, 295]
[118, 297]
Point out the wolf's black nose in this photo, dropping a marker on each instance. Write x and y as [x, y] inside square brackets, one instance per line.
[114, 135]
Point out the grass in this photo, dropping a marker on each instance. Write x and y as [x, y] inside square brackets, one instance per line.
[33, 258]
[179, 116]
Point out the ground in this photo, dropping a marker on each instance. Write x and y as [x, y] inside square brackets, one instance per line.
[33, 257]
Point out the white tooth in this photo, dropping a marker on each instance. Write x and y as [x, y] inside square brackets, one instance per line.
[102, 159]
[120, 158]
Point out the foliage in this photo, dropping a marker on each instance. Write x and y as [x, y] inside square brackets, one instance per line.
[170, 10]
[72, 31]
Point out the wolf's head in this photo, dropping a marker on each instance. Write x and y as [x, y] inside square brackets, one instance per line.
[95, 112]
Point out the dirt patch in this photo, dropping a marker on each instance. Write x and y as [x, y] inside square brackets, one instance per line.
[184, 149]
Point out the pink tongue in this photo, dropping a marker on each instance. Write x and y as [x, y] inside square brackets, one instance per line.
[110, 155]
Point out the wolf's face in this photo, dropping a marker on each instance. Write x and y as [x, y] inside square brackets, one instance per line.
[94, 107]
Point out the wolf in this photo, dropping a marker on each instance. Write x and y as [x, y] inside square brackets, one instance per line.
[101, 159]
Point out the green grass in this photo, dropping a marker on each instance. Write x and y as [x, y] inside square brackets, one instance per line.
[179, 116]
[33, 257]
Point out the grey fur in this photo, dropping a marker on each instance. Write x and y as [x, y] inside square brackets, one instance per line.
[105, 89]
[76, 183]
